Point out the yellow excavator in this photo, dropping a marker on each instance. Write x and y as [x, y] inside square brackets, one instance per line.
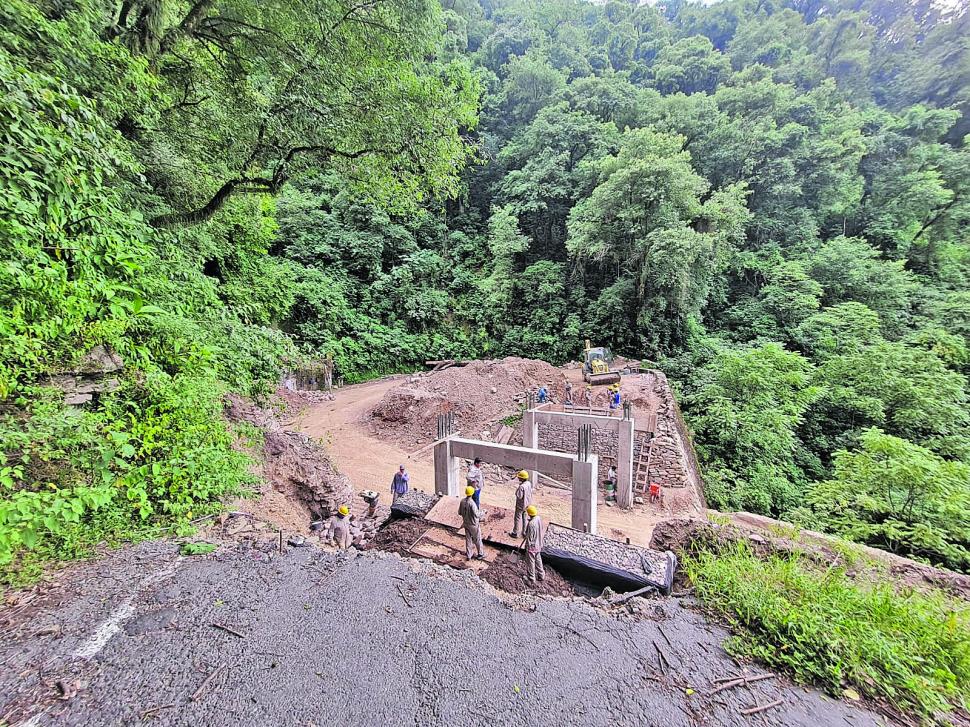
[598, 366]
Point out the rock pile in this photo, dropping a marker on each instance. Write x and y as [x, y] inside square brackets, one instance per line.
[414, 503]
[362, 531]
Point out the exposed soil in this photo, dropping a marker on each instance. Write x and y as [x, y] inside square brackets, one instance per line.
[479, 395]
[297, 469]
[508, 573]
[399, 535]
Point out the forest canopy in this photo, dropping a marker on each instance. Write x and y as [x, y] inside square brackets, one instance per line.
[769, 199]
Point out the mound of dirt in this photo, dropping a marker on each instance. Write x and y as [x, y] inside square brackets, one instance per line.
[479, 395]
[398, 535]
[508, 572]
[295, 466]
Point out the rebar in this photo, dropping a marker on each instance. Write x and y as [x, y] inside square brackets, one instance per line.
[583, 437]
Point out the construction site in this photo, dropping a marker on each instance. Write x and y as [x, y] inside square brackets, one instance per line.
[438, 422]
[280, 626]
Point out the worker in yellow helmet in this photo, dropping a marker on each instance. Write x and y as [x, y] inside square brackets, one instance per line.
[533, 546]
[523, 498]
[340, 528]
[471, 521]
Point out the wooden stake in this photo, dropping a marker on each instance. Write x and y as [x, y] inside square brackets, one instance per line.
[198, 692]
[231, 631]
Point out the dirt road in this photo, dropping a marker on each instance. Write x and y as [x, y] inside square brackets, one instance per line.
[315, 638]
[370, 462]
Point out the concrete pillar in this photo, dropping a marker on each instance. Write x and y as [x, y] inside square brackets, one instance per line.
[624, 464]
[530, 439]
[584, 494]
[445, 470]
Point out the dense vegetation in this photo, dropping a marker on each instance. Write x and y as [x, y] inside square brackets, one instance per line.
[910, 650]
[769, 198]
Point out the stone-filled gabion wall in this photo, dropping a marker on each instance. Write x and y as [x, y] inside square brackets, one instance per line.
[560, 438]
[668, 465]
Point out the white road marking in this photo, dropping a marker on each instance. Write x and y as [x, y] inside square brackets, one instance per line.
[110, 626]
[106, 630]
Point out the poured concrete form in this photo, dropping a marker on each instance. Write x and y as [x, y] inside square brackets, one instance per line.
[624, 429]
[558, 465]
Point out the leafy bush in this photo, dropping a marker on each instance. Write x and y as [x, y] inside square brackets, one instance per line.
[901, 497]
[157, 452]
[909, 648]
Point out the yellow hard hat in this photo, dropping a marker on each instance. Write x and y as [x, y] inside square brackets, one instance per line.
[469, 490]
[523, 475]
[531, 509]
[343, 510]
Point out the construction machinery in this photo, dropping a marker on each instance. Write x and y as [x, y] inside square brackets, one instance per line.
[598, 366]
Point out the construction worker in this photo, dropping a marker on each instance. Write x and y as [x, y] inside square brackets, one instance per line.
[543, 394]
[340, 528]
[470, 519]
[523, 498]
[588, 395]
[569, 393]
[614, 396]
[399, 485]
[533, 546]
[476, 478]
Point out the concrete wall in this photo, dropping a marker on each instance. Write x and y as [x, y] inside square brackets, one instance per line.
[449, 452]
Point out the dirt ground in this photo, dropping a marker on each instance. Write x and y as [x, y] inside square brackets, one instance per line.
[478, 396]
[508, 572]
[370, 459]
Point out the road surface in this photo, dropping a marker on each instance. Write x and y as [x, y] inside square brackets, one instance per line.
[358, 639]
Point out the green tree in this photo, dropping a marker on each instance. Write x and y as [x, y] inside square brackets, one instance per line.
[901, 497]
[645, 218]
[691, 65]
[745, 411]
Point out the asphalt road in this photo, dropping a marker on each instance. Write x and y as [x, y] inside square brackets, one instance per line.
[360, 639]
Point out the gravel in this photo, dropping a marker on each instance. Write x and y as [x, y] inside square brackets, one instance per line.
[416, 502]
[359, 638]
[632, 558]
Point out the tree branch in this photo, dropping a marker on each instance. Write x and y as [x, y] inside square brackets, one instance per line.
[189, 23]
[936, 218]
[256, 185]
